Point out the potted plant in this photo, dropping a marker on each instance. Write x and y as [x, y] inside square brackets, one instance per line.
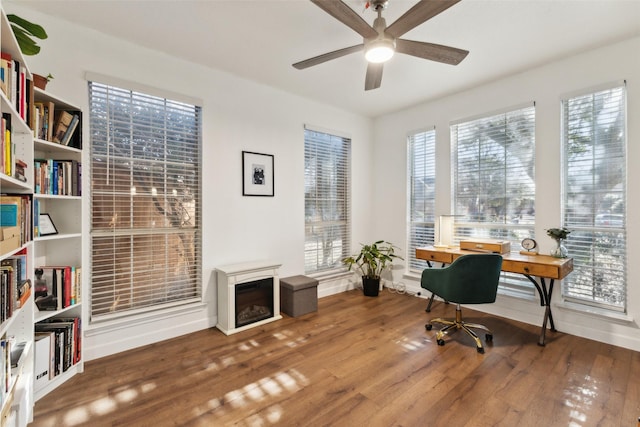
[41, 81]
[559, 234]
[371, 262]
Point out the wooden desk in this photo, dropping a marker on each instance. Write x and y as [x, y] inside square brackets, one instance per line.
[536, 268]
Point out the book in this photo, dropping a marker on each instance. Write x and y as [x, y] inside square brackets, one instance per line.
[6, 65]
[44, 361]
[63, 121]
[72, 127]
[49, 117]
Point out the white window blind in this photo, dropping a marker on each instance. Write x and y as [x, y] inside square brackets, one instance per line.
[421, 182]
[145, 202]
[494, 182]
[594, 142]
[327, 163]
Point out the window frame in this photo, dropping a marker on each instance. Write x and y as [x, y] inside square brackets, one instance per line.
[426, 139]
[510, 284]
[340, 220]
[179, 289]
[584, 237]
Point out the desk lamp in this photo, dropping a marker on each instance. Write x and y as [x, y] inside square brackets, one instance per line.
[445, 231]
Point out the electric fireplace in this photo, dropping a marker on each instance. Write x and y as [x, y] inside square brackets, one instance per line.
[248, 296]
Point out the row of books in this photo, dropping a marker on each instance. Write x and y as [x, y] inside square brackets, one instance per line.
[48, 122]
[16, 221]
[10, 165]
[57, 177]
[57, 287]
[55, 126]
[15, 84]
[15, 288]
[58, 346]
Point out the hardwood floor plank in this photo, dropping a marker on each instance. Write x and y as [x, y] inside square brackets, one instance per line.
[357, 361]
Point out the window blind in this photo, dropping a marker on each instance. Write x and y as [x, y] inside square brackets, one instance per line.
[594, 208]
[327, 164]
[494, 182]
[421, 188]
[145, 202]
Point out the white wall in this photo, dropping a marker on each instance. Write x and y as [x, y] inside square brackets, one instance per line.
[544, 85]
[237, 115]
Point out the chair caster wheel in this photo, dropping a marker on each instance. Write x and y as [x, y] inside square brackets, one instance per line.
[488, 338]
[440, 342]
[481, 350]
[428, 326]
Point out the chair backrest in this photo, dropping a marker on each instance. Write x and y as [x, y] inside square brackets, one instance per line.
[470, 279]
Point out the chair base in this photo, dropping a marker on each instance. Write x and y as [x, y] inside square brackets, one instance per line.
[457, 324]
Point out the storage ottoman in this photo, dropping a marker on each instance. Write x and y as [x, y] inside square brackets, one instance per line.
[298, 295]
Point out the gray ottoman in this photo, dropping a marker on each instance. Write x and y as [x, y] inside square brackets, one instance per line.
[298, 295]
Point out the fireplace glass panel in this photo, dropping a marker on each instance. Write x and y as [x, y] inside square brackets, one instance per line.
[254, 301]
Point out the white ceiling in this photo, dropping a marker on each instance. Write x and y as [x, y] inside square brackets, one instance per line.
[260, 39]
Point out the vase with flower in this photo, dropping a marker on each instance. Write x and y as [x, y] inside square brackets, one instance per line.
[559, 235]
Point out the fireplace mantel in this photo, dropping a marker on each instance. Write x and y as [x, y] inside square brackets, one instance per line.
[231, 275]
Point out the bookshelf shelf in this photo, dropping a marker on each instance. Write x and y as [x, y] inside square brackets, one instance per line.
[44, 315]
[54, 149]
[57, 237]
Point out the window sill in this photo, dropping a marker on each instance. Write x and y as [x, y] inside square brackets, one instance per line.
[621, 318]
[150, 317]
[331, 275]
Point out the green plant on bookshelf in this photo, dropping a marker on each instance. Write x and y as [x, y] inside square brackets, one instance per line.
[25, 32]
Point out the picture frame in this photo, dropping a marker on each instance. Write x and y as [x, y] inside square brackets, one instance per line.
[46, 227]
[257, 174]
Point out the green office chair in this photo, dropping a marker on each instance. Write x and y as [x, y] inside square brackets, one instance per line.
[469, 279]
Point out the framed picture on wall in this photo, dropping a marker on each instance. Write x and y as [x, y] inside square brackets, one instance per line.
[257, 174]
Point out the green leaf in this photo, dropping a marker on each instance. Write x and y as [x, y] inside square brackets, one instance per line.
[33, 29]
[27, 45]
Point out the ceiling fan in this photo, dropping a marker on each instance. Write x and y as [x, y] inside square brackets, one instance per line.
[381, 41]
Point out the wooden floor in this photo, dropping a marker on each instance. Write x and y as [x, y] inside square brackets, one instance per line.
[358, 361]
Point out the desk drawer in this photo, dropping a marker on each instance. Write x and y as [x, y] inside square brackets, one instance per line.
[538, 270]
[435, 256]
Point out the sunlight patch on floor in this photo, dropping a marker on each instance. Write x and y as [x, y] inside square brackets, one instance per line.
[76, 416]
[228, 361]
[274, 386]
[580, 399]
[409, 344]
[103, 406]
[249, 345]
[127, 395]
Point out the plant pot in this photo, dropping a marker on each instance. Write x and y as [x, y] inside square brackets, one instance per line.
[370, 286]
[560, 251]
[40, 81]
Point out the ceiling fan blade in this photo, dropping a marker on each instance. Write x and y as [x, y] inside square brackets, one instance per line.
[327, 57]
[421, 12]
[374, 76]
[431, 51]
[347, 16]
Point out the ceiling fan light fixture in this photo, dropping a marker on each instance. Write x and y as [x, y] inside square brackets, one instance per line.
[379, 51]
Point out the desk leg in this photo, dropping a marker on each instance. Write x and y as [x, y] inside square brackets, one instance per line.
[545, 301]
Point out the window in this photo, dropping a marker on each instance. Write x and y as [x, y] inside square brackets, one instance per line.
[494, 182]
[594, 199]
[421, 182]
[327, 160]
[145, 202]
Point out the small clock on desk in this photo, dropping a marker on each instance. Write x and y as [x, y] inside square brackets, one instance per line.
[530, 245]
